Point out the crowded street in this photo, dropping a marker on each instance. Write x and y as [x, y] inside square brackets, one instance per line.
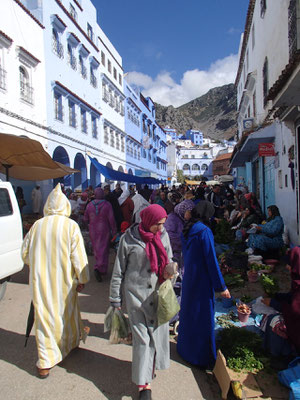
[97, 370]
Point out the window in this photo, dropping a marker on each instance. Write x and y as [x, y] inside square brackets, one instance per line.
[57, 47]
[82, 67]
[2, 76]
[265, 80]
[93, 78]
[72, 114]
[263, 7]
[109, 66]
[204, 167]
[254, 104]
[26, 91]
[58, 107]
[73, 12]
[102, 58]
[120, 79]
[94, 127]
[106, 129]
[253, 37]
[83, 120]
[5, 203]
[90, 32]
[186, 167]
[112, 138]
[71, 58]
[115, 73]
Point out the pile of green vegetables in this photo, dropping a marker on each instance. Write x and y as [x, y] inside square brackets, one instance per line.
[270, 284]
[223, 232]
[242, 349]
[234, 280]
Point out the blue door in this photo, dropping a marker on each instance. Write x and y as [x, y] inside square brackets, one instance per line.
[269, 182]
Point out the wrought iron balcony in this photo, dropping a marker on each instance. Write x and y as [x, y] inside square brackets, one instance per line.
[57, 48]
[105, 96]
[292, 18]
[73, 62]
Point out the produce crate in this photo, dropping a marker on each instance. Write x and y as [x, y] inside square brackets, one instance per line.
[226, 377]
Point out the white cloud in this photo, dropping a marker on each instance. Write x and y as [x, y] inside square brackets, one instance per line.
[164, 90]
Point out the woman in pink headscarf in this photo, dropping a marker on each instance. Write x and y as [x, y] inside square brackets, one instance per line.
[102, 226]
[141, 265]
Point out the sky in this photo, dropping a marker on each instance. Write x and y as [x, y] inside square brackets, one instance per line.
[175, 50]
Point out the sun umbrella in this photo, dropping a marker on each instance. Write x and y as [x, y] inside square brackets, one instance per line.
[25, 159]
[30, 322]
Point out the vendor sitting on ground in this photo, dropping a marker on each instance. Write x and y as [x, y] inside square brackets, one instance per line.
[282, 329]
[248, 218]
[269, 235]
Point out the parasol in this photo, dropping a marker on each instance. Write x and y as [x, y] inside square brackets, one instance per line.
[25, 159]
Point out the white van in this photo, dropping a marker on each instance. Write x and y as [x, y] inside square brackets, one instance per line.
[11, 235]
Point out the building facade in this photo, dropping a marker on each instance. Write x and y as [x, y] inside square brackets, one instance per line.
[267, 102]
[195, 136]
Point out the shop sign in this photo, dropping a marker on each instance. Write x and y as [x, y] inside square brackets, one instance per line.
[266, 150]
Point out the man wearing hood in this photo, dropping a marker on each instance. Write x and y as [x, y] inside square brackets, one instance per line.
[54, 250]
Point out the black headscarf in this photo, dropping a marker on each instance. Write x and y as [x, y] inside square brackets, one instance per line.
[203, 211]
[274, 211]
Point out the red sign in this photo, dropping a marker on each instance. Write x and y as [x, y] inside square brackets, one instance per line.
[266, 150]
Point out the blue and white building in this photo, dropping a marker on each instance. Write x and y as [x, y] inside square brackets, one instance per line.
[195, 136]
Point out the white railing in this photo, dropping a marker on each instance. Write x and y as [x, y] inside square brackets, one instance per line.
[2, 79]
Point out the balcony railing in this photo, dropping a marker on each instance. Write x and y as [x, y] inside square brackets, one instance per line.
[26, 92]
[2, 79]
[122, 112]
[93, 81]
[57, 48]
[112, 100]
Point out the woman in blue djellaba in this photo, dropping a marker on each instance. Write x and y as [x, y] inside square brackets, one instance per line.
[202, 278]
[269, 235]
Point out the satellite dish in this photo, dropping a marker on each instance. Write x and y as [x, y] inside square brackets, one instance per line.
[146, 142]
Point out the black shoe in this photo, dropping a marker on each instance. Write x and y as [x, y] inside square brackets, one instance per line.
[145, 394]
[98, 276]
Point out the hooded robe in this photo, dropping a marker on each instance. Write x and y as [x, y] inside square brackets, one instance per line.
[54, 250]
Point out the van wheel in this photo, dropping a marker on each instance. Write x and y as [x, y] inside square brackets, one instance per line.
[2, 289]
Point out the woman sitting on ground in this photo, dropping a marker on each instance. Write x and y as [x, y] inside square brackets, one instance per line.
[269, 235]
[282, 329]
[248, 218]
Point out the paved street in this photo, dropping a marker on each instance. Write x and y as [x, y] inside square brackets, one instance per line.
[98, 370]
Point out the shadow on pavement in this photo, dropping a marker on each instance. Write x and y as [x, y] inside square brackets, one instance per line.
[206, 381]
[102, 370]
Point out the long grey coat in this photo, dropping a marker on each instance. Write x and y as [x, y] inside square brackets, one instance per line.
[151, 348]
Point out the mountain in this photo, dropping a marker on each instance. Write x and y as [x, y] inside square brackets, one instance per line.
[214, 114]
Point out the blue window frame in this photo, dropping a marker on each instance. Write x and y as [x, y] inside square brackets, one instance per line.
[58, 107]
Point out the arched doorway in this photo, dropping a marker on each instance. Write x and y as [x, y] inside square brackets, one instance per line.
[80, 180]
[60, 155]
[95, 178]
[108, 165]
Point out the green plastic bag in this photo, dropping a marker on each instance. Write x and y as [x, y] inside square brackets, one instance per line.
[168, 305]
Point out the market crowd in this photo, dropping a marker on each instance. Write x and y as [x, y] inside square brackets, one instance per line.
[168, 233]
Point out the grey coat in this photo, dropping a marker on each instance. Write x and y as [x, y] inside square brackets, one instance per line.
[132, 271]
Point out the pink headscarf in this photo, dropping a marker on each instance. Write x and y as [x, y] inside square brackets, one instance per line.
[155, 250]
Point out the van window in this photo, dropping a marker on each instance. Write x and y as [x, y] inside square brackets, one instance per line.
[5, 203]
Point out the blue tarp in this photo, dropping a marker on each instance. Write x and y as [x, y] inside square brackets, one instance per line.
[113, 175]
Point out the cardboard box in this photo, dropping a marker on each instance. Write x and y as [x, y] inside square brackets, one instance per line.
[225, 376]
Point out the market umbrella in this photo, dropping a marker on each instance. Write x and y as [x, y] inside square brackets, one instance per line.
[30, 321]
[25, 159]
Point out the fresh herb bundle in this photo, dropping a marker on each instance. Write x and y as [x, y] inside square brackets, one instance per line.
[242, 349]
[270, 284]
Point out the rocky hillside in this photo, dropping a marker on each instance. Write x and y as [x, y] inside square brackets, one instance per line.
[214, 114]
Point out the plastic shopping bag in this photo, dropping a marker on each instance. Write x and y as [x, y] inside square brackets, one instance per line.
[118, 325]
[168, 305]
